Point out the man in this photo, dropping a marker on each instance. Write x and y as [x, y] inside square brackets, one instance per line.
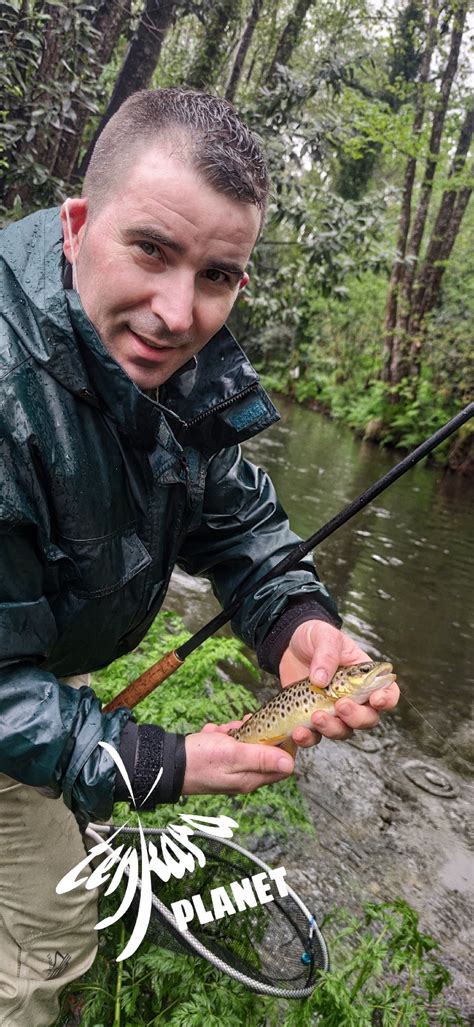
[124, 402]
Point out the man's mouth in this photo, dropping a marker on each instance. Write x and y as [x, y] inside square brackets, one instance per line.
[152, 343]
[150, 349]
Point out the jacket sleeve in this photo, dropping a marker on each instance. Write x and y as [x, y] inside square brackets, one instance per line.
[244, 532]
[49, 732]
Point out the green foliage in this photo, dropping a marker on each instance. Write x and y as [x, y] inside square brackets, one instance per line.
[318, 243]
[336, 120]
[384, 967]
[50, 77]
[384, 972]
[338, 357]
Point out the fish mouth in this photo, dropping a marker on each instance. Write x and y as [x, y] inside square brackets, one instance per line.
[380, 677]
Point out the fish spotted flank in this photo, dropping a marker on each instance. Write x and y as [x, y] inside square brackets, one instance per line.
[294, 705]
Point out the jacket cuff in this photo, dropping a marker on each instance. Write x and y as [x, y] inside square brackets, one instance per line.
[145, 749]
[299, 610]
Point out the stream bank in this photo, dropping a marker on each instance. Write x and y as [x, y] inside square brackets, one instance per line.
[379, 837]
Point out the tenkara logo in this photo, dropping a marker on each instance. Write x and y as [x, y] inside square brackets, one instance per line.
[179, 855]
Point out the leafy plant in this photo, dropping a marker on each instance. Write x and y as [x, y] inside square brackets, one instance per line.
[385, 972]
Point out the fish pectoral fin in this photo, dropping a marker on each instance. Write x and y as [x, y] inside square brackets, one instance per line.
[273, 740]
[289, 746]
[283, 742]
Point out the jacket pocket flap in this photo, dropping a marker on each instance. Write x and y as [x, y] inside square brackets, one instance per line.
[105, 564]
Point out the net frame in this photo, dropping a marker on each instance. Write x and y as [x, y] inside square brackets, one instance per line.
[188, 942]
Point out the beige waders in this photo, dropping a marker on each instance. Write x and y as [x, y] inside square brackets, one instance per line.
[46, 940]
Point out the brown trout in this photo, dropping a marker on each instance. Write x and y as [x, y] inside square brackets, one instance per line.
[293, 706]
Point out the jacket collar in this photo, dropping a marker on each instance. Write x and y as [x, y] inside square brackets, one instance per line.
[61, 338]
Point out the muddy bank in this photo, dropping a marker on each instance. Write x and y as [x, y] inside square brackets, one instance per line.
[380, 836]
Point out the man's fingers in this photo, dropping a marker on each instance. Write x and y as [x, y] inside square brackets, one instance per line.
[323, 667]
[351, 716]
[385, 698]
[325, 663]
[304, 738]
[268, 759]
[225, 728]
[331, 726]
[257, 765]
[356, 715]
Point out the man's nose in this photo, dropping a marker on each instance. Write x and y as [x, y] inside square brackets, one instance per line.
[173, 302]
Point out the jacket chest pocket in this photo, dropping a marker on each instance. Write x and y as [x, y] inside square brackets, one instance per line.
[102, 565]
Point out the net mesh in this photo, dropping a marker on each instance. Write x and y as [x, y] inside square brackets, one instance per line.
[274, 947]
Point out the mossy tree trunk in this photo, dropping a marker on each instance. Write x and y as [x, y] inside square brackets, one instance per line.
[220, 25]
[403, 323]
[242, 49]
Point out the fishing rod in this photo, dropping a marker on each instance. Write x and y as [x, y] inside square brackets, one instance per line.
[160, 671]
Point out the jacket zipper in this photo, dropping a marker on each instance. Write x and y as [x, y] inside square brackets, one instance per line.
[222, 405]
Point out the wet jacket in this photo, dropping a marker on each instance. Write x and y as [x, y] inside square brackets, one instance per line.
[102, 491]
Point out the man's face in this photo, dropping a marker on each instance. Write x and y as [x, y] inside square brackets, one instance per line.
[160, 265]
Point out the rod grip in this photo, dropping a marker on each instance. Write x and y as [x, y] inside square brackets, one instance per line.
[146, 683]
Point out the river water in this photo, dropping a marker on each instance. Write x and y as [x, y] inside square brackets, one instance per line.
[401, 571]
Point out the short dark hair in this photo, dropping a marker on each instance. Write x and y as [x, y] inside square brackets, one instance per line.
[215, 142]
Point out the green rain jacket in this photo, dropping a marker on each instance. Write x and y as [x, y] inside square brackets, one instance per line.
[102, 492]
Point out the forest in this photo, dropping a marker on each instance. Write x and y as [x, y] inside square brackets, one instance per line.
[362, 291]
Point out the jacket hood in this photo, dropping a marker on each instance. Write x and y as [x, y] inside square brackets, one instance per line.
[54, 329]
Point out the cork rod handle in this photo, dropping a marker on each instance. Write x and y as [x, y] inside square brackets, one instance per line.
[146, 683]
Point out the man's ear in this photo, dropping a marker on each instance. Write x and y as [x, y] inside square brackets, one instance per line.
[73, 219]
[244, 280]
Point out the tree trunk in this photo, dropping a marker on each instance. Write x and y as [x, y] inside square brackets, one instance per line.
[242, 49]
[108, 20]
[49, 72]
[53, 48]
[432, 292]
[391, 344]
[139, 64]
[446, 227]
[288, 39]
[205, 68]
[405, 308]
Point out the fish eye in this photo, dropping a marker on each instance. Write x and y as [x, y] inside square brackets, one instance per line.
[364, 668]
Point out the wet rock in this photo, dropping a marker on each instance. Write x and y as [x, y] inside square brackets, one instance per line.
[379, 835]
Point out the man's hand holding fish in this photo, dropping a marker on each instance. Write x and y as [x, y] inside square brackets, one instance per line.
[318, 655]
[316, 650]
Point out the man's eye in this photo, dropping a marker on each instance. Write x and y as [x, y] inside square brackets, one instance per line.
[214, 275]
[149, 248]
